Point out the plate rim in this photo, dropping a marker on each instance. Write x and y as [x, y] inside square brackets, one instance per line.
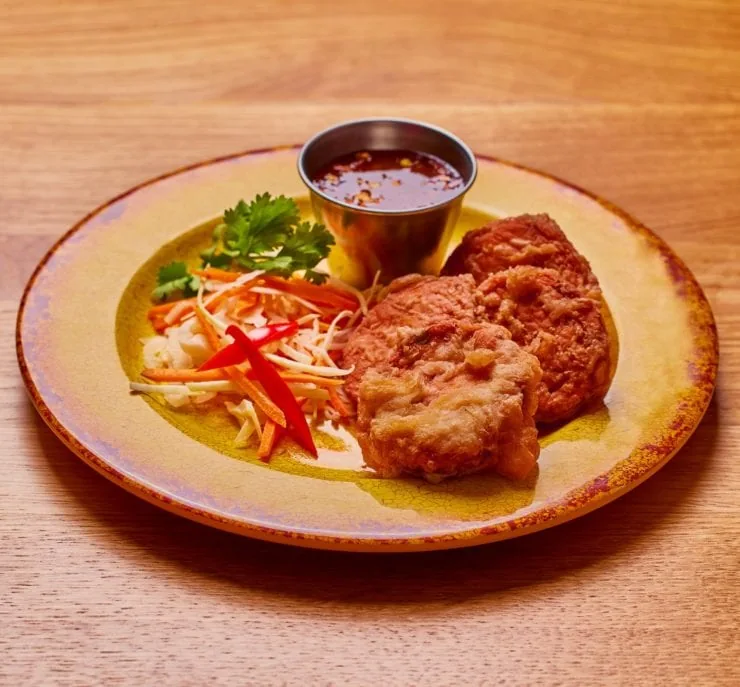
[579, 501]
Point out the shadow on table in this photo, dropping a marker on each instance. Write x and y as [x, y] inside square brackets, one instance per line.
[444, 576]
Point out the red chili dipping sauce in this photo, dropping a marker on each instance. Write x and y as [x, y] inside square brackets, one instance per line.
[389, 179]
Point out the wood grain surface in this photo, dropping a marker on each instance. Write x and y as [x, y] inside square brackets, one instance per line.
[637, 100]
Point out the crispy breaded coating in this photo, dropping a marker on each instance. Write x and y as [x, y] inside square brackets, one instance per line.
[564, 329]
[454, 399]
[534, 240]
[410, 301]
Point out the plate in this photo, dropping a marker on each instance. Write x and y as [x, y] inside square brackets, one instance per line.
[82, 315]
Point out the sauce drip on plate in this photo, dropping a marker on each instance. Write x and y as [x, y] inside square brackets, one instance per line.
[389, 179]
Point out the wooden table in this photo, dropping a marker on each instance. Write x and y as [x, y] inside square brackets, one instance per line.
[637, 100]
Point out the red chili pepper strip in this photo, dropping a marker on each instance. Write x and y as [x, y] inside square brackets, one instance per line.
[233, 354]
[277, 390]
[226, 357]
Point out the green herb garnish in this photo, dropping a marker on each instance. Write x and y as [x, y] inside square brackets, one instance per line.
[267, 234]
[175, 278]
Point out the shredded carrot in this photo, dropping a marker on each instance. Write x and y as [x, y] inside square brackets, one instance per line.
[159, 324]
[310, 379]
[217, 274]
[260, 398]
[270, 436]
[178, 313]
[214, 340]
[157, 312]
[338, 404]
[162, 309]
[215, 302]
[185, 310]
[211, 307]
[169, 374]
[321, 295]
[237, 309]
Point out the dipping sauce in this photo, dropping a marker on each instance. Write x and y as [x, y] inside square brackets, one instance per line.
[389, 179]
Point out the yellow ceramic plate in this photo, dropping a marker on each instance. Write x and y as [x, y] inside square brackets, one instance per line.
[83, 313]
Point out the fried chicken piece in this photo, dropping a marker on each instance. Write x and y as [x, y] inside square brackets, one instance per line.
[564, 329]
[455, 399]
[534, 240]
[410, 301]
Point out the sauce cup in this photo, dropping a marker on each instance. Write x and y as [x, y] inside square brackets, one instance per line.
[372, 239]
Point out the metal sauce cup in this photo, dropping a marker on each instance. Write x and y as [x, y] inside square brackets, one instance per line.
[394, 242]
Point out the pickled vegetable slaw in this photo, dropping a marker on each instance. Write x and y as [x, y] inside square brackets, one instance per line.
[298, 329]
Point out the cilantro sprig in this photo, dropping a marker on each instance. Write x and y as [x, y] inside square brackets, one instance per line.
[265, 234]
[175, 278]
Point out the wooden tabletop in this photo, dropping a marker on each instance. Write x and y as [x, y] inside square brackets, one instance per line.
[637, 100]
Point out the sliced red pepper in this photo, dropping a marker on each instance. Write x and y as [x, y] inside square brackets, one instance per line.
[233, 354]
[277, 389]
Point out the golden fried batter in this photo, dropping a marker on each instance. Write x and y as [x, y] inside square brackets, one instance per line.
[534, 240]
[565, 330]
[454, 399]
[410, 301]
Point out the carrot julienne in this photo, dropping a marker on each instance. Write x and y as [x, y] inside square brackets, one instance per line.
[159, 324]
[241, 306]
[172, 316]
[259, 397]
[163, 308]
[169, 374]
[216, 298]
[321, 295]
[213, 303]
[269, 291]
[181, 309]
[217, 274]
[186, 306]
[337, 403]
[214, 340]
[270, 435]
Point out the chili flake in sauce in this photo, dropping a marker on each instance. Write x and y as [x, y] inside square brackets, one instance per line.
[389, 179]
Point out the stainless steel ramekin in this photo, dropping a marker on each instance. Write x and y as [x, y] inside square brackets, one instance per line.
[394, 242]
